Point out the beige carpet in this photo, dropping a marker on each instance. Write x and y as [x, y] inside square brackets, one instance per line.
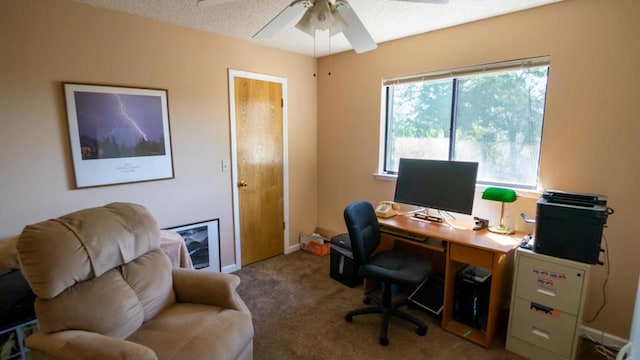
[298, 313]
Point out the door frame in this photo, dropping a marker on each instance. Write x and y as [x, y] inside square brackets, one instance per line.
[234, 159]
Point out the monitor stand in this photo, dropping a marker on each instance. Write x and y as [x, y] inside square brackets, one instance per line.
[443, 218]
[423, 216]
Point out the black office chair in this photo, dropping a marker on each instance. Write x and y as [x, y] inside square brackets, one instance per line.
[387, 267]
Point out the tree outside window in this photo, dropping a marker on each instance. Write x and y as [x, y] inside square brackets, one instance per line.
[493, 118]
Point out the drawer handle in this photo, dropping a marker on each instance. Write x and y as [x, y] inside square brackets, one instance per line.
[541, 333]
[547, 292]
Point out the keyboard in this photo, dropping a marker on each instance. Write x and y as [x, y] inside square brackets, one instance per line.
[404, 234]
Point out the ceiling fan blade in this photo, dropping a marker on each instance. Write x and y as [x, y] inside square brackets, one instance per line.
[356, 32]
[202, 3]
[283, 18]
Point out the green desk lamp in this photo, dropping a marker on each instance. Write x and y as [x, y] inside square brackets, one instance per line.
[504, 196]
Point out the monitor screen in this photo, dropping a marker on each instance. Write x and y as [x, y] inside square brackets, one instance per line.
[437, 184]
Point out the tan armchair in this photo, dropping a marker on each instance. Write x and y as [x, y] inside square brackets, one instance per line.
[105, 290]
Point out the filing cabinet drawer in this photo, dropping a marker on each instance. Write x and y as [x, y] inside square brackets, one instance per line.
[546, 328]
[554, 285]
[471, 256]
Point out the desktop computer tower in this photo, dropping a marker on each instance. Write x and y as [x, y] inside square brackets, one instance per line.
[471, 305]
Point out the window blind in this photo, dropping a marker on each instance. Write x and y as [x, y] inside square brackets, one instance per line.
[468, 70]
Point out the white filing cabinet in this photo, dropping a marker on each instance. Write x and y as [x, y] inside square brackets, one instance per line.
[546, 306]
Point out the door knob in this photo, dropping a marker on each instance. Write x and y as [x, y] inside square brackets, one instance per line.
[242, 183]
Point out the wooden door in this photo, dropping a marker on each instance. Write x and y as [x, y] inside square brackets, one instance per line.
[259, 154]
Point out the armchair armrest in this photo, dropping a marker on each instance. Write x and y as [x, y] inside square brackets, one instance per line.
[78, 345]
[210, 288]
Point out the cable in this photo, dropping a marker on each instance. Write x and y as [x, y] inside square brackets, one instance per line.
[604, 284]
[609, 352]
[602, 349]
[449, 223]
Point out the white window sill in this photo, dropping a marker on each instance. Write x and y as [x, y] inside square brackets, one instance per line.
[525, 193]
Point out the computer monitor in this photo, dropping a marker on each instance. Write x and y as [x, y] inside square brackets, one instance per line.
[437, 184]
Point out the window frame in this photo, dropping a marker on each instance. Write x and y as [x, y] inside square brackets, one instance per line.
[454, 75]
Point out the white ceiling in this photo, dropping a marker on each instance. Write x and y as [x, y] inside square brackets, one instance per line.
[385, 19]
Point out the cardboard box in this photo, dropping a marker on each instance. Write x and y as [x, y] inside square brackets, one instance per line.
[315, 244]
[318, 249]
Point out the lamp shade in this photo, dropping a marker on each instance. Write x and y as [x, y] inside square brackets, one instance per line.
[499, 194]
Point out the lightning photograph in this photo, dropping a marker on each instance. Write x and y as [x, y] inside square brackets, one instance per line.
[113, 125]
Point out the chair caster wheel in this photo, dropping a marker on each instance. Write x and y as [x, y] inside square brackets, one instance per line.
[384, 341]
[421, 331]
[348, 318]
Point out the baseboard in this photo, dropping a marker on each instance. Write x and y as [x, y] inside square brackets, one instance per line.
[292, 249]
[602, 337]
[230, 268]
[235, 267]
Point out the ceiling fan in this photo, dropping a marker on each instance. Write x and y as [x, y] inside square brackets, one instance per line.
[337, 16]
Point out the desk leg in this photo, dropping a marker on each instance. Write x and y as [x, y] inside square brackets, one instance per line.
[496, 296]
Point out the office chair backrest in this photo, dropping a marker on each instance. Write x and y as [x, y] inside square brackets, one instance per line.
[364, 231]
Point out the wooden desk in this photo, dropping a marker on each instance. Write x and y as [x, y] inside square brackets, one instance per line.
[462, 248]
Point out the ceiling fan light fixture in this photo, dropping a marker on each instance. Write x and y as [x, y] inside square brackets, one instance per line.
[338, 25]
[304, 24]
[322, 16]
[337, 16]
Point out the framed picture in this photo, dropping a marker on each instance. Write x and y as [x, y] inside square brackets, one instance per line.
[27, 330]
[118, 134]
[9, 345]
[203, 244]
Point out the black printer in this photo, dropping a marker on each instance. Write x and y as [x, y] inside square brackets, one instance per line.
[569, 225]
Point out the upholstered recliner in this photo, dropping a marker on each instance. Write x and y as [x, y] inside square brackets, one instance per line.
[105, 290]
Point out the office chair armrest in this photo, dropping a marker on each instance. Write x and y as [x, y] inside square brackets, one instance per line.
[209, 288]
[78, 344]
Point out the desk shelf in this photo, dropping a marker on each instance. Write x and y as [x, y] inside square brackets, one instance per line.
[463, 248]
[472, 334]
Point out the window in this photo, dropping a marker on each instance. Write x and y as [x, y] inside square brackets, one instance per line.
[490, 114]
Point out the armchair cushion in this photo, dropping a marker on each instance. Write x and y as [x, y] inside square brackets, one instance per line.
[220, 292]
[195, 331]
[105, 290]
[80, 345]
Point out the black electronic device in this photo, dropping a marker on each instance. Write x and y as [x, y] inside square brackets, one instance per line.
[431, 218]
[17, 300]
[527, 242]
[343, 267]
[480, 223]
[437, 184]
[430, 295]
[569, 225]
[471, 305]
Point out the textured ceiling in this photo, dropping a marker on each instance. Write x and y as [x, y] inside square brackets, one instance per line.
[385, 19]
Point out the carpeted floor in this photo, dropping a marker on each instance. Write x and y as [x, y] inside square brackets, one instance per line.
[298, 313]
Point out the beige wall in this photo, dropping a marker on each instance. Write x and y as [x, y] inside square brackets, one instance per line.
[590, 131]
[46, 42]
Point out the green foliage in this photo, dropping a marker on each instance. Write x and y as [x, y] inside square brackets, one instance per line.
[501, 113]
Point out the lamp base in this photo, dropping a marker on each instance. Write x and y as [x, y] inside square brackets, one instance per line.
[502, 230]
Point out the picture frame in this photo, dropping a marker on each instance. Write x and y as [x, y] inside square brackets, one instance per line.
[10, 345]
[118, 134]
[203, 243]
